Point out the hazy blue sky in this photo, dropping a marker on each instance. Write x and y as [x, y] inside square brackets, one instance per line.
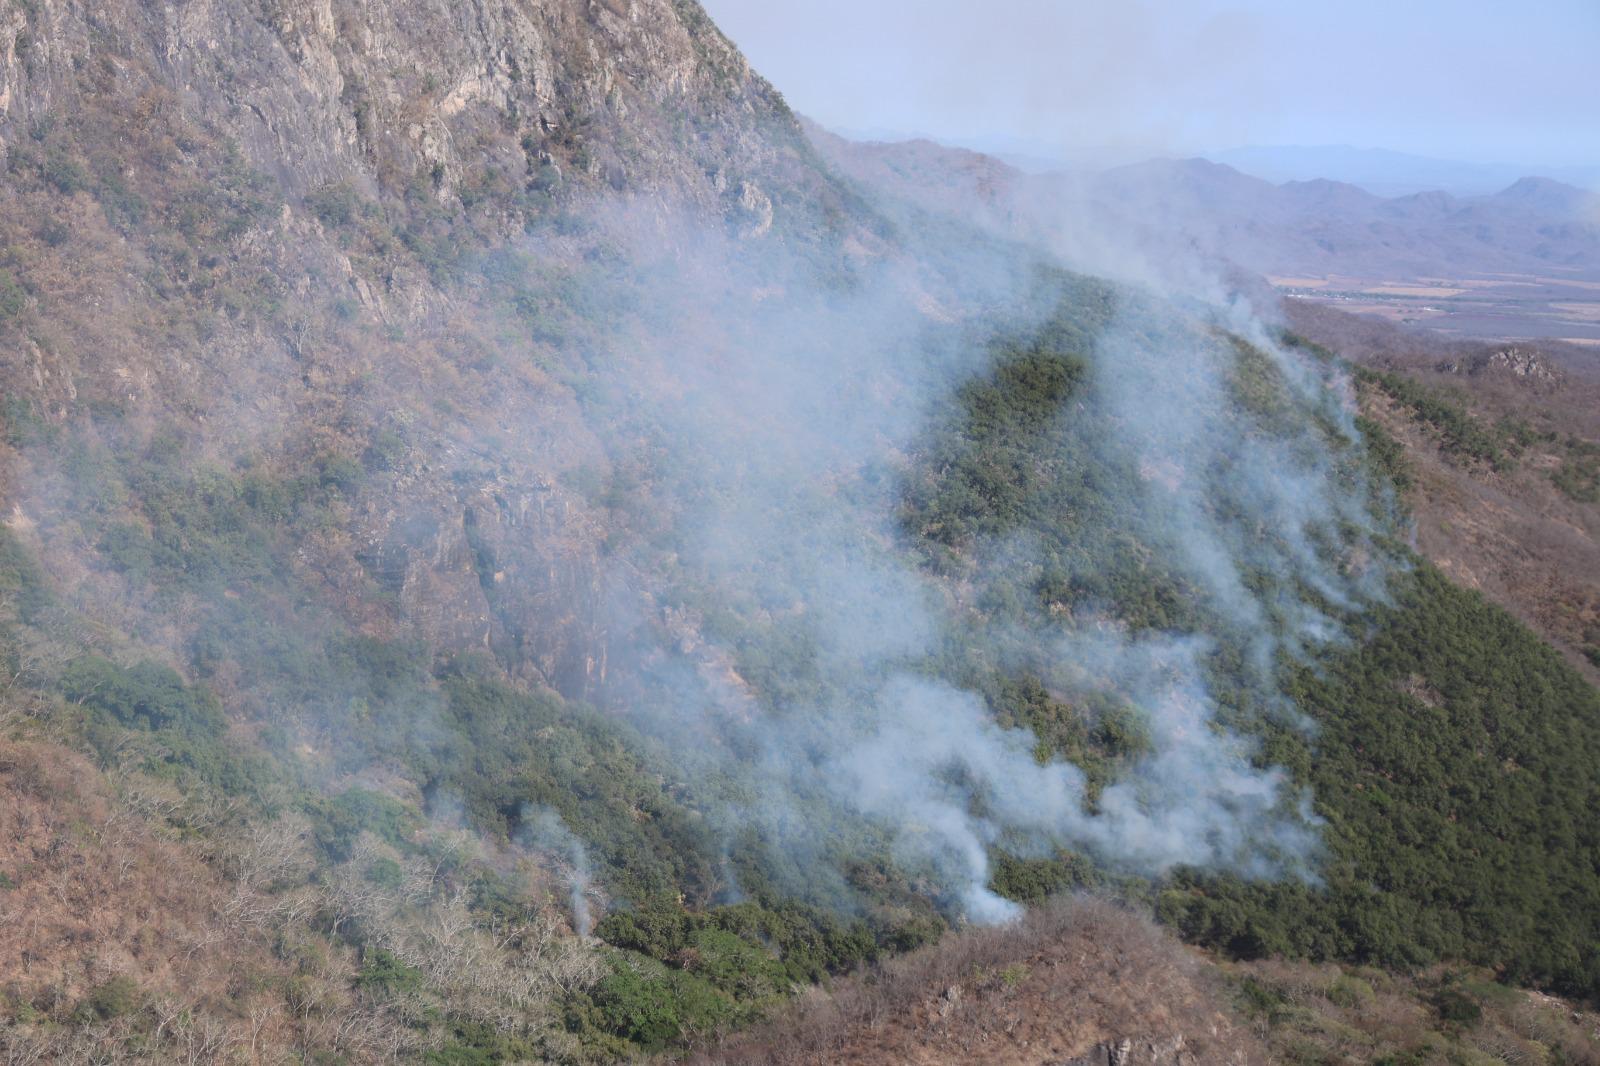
[1486, 80]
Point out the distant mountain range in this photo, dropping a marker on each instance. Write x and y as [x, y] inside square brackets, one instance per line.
[1380, 171]
[1313, 228]
[1389, 173]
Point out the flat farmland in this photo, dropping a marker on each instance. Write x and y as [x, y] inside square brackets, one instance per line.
[1479, 307]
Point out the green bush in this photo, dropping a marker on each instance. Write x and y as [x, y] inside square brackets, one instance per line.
[652, 1006]
[1458, 825]
[186, 722]
[385, 452]
[22, 582]
[64, 173]
[738, 967]
[385, 873]
[335, 205]
[116, 997]
[384, 974]
[1035, 880]
[128, 549]
[477, 1043]
[25, 423]
[813, 942]
[1460, 432]
[338, 821]
[340, 472]
[1578, 478]
[1388, 455]
[1457, 1007]
[1350, 992]
[659, 929]
[144, 696]
[13, 298]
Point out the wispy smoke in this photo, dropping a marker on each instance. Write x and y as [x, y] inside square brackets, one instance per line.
[543, 830]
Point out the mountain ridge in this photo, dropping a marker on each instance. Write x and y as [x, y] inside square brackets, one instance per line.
[1163, 209]
[1387, 172]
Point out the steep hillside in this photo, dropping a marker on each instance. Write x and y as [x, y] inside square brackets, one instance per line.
[1079, 982]
[294, 300]
[307, 232]
[388, 97]
[506, 557]
[1500, 446]
[1083, 983]
[1509, 512]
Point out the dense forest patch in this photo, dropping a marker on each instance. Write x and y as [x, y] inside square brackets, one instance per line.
[1452, 756]
[1454, 765]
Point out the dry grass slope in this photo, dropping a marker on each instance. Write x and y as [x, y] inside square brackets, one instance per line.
[1513, 532]
[1073, 975]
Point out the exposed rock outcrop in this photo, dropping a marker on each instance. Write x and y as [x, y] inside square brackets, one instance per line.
[1166, 1051]
[1524, 365]
[384, 93]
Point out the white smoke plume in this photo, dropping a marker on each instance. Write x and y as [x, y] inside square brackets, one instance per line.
[543, 830]
[778, 404]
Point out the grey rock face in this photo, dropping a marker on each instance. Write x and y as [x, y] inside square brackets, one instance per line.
[1168, 1051]
[382, 93]
[1519, 364]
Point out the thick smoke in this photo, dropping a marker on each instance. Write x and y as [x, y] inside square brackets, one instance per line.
[777, 395]
[780, 402]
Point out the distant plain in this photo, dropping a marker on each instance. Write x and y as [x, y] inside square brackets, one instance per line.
[1495, 307]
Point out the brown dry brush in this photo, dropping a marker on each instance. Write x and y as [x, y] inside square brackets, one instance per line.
[1072, 973]
[1327, 1012]
[218, 944]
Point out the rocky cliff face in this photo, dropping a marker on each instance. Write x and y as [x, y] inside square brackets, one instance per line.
[294, 232]
[383, 94]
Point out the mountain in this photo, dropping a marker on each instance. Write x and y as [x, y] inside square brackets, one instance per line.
[386, 95]
[1152, 220]
[1300, 229]
[1387, 173]
[258, 232]
[512, 551]
[1551, 199]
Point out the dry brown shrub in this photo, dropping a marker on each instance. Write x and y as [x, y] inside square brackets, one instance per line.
[1573, 1033]
[1070, 975]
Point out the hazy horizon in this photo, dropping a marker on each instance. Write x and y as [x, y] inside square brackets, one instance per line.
[1489, 86]
[1382, 171]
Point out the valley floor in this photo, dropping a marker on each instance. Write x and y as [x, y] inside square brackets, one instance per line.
[1503, 307]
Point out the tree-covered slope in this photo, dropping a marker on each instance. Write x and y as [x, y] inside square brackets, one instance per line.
[1453, 761]
[1447, 754]
[1451, 754]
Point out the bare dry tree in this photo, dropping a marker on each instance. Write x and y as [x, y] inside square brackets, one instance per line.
[26, 1049]
[269, 853]
[199, 1039]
